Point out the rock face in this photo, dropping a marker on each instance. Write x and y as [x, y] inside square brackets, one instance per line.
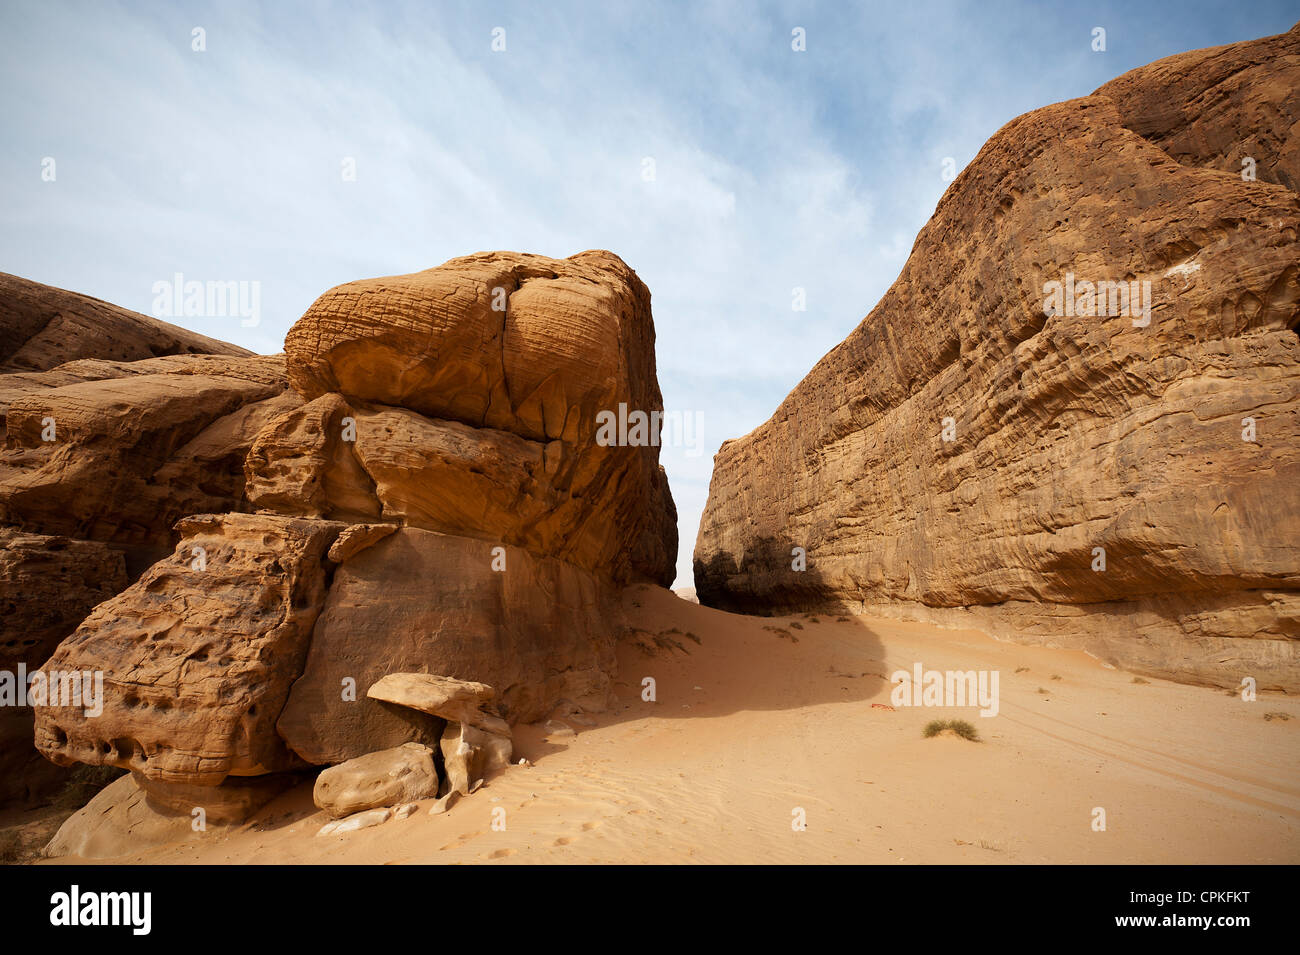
[490, 372]
[435, 501]
[115, 426]
[42, 326]
[47, 586]
[1214, 108]
[118, 452]
[985, 450]
[430, 603]
[198, 655]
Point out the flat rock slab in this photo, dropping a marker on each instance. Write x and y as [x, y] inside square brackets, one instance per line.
[461, 701]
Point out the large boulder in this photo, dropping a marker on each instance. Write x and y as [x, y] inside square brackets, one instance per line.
[979, 451]
[435, 499]
[390, 777]
[198, 655]
[503, 363]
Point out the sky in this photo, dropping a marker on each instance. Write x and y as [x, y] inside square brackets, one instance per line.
[309, 144]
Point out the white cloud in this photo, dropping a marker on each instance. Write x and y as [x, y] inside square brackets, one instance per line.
[774, 169]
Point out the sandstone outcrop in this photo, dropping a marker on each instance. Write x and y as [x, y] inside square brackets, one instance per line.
[117, 821]
[1217, 107]
[417, 601]
[199, 654]
[983, 450]
[433, 506]
[486, 376]
[47, 586]
[118, 452]
[116, 425]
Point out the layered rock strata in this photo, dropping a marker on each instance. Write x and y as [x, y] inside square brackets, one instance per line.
[1011, 439]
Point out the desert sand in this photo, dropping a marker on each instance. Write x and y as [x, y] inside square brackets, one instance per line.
[750, 724]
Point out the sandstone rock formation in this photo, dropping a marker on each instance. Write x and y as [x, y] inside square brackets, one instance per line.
[199, 654]
[417, 601]
[118, 452]
[470, 754]
[377, 780]
[490, 370]
[47, 586]
[118, 820]
[116, 425]
[963, 455]
[432, 501]
[460, 701]
[476, 741]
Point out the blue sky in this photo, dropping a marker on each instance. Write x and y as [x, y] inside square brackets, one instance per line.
[774, 169]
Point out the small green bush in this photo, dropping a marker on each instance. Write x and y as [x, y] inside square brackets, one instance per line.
[962, 728]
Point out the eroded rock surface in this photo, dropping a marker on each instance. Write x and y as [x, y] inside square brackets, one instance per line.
[387, 778]
[460, 701]
[963, 454]
[116, 425]
[199, 654]
[118, 452]
[431, 501]
[502, 362]
[470, 754]
[416, 601]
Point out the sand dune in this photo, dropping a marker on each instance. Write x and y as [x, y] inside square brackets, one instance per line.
[750, 724]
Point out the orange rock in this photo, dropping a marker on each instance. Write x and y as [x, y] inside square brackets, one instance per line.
[962, 455]
[198, 655]
[502, 362]
[419, 602]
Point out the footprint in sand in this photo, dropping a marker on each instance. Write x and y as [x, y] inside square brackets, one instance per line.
[588, 826]
[461, 840]
[500, 854]
[562, 841]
